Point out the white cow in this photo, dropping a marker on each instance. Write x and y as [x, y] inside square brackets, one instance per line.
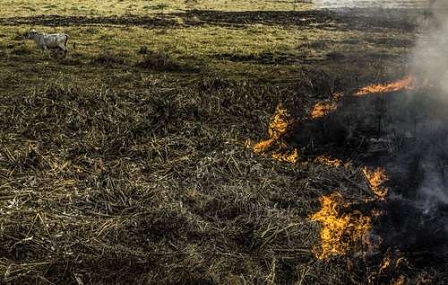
[49, 41]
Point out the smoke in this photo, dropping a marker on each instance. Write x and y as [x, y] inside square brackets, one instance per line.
[430, 66]
[385, 4]
[399, 11]
[433, 187]
[406, 131]
[430, 57]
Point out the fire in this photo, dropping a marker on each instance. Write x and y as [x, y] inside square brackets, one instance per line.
[263, 146]
[338, 95]
[340, 232]
[291, 156]
[344, 230]
[406, 83]
[385, 264]
[280, 124]
[402, 280]
[329, 161]
[376, 179]
[322, 109]
[393, 262]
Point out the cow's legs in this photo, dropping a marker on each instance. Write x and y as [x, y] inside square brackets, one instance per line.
[64, 50]
[43, 50]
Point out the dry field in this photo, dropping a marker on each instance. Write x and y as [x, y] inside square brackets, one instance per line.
[131, 161]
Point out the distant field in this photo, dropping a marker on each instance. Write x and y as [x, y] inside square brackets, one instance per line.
[127, 162]
[19, 8]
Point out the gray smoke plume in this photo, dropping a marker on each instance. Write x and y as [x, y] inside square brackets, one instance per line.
[391, 10]
[430, 56]
[430, 66]
[385, 4]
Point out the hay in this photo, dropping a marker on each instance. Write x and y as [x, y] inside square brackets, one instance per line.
[107, 187]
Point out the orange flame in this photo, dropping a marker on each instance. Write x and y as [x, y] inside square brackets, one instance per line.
[263, 146]
[390, 267]
[280, 124]
[289, 156]
[322, 159]
[376, 178]
[406, 83]
[402, 280]
[385, 264]
[340, 233]
[322, 109]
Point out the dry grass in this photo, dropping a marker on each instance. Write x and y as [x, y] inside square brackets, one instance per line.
[109, 191]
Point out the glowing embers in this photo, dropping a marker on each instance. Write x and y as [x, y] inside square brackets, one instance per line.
[274, 146]
[287, 156]
[389, 269]
[342, 230]
[376, 178]
[407, 83]
[321, 109]
[325, 160]
[402, 280]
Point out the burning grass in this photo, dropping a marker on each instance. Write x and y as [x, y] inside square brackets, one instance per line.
[281, 122]
[390, 269]
[323, 159]
[322, 109]
[344, 229]
[407, 83]
[341, 233]
[376, 179]
[288, 156]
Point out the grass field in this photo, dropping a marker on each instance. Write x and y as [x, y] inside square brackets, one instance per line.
[127, 161]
